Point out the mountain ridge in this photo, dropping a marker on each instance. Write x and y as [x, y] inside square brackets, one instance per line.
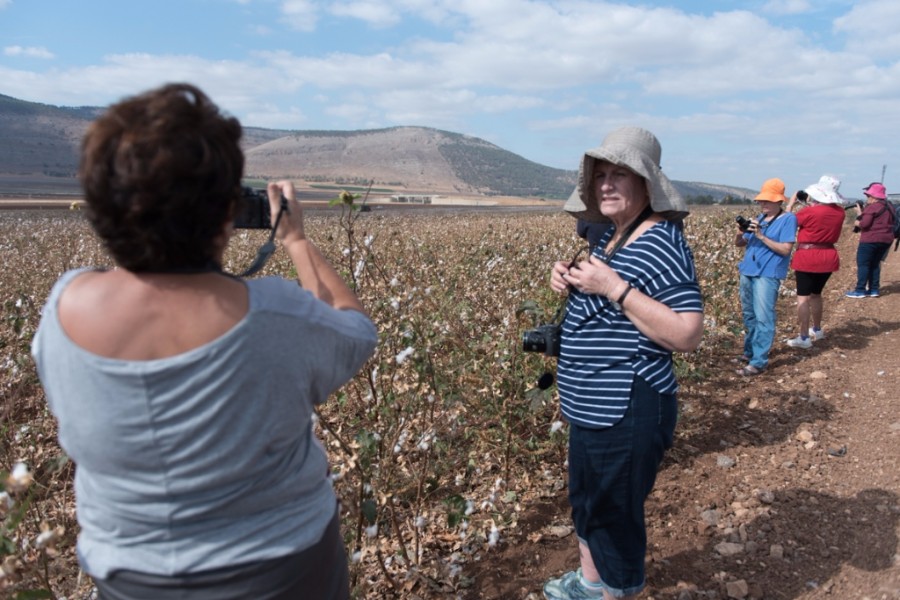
[42, 142]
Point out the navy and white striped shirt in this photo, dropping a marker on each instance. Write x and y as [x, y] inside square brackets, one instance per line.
[602, 351]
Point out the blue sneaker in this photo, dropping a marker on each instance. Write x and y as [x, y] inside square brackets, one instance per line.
[873, 294]
[569, 587]
[855, 294]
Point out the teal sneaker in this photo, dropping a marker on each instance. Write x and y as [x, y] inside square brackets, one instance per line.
[569, 587]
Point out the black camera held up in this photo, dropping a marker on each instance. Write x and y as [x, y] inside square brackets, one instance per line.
[543, 338]
[253, 210]
[862, 206]
[743, 222]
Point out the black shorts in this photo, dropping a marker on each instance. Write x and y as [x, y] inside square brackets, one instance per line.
[810, 283]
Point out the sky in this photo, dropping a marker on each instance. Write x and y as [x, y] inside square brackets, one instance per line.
[737, 91]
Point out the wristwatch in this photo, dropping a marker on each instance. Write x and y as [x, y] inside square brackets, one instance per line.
[617, 304]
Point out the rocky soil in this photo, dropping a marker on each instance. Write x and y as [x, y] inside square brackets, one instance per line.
[782, 486]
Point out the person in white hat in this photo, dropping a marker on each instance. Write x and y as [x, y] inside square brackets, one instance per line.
[819, 222]
[632, 303]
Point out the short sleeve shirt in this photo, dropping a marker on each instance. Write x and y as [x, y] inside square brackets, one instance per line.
[205, 459]
[759, 260]
[819, 224]
[601, 350]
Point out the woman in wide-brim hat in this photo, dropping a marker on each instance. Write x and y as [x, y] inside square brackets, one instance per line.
[819, 225]
[631, 303]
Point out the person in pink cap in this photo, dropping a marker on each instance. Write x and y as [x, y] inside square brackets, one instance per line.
[875, 224]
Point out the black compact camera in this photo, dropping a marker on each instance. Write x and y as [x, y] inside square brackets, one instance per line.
[743, 222]
[253, 211]
[543, 338]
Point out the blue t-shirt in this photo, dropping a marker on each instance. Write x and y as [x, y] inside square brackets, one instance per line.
[206, 459]
[759, 259]
[601, 350]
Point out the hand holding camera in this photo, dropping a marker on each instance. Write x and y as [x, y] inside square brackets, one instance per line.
[290, 227]
[746, 225]
[557, 283]
[593, 276]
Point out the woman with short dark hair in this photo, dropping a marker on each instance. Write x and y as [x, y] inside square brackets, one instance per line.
[185, 395]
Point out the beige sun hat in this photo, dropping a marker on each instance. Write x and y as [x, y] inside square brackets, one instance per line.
[638, 150]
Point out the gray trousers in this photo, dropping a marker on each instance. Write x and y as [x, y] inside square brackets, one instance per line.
[319, 572]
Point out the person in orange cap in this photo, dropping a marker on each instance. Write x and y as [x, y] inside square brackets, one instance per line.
[769, 238]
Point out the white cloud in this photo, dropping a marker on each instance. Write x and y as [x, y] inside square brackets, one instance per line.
[871, 28]
[5, 3]
[355, 110]
[374, 12]
[445, 109]
[787, 7]
[273, 117]
[299, 14]
[27, 52]
[233, 85]
[354, 71]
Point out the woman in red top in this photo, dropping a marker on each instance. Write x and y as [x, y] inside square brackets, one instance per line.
[819, 225]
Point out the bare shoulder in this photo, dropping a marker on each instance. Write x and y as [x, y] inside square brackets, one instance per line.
[85, 291]
[124, 315]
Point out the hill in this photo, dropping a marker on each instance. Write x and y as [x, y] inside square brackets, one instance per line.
[418, 158]
[39, 147]
[38, 138]
[712, 191]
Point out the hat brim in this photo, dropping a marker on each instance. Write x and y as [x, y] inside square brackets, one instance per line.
[767, 197]
[823, 195]
[665, 200]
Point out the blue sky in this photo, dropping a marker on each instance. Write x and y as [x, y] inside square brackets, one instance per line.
[737, 90]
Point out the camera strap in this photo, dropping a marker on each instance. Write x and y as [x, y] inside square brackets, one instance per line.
[262, 255]
[605, 256]
[266, 250]
[645, 214]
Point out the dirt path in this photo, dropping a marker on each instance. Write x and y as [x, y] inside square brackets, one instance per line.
[784, 486]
